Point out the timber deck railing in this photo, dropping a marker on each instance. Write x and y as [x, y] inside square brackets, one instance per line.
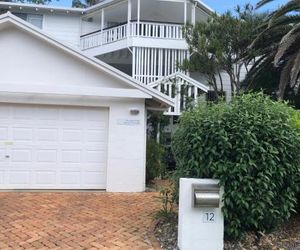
[133, 29]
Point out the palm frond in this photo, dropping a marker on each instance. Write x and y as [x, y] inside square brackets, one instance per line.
[291, 6]
[295, 70]
[286, 42]
[285, 77]
[262, 3]
[257, 70]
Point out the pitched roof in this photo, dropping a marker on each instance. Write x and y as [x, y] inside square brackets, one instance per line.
[93, 62]
[104, 3]
[82, 11]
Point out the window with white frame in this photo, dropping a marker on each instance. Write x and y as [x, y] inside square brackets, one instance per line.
[34, 19]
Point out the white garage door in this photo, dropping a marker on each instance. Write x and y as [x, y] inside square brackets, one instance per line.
[52, 147]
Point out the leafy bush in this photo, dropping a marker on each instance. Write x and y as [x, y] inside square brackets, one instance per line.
[154, 156]
[296, 123]
[252, 146]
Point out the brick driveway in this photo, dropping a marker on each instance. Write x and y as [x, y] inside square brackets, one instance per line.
[76, 220]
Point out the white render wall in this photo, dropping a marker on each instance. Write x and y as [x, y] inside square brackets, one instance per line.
[39, 63]
[126, 148]
[64, 27]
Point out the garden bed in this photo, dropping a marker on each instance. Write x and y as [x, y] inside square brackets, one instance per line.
[285, 238]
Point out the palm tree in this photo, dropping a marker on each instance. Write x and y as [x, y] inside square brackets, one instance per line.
[278, 43]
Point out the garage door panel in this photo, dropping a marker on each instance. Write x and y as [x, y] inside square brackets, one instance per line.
[95, 156]
[47, 156]
[47, 134]
[70, 178]
[2, 157]
[96, 135]
[22, 134]
[5, 112]
[71, 156]
[72, 135]
[24, 113]
[45, 177]
[48, 114]
[19, 177]
[2, 177]
[72, 115]
[21, 155]
[53, 147]
[3, 133]
[93, 177]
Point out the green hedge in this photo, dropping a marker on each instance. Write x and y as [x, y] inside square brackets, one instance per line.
[296, 123]
[253, 147]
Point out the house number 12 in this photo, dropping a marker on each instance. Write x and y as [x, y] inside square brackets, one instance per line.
[209, 217]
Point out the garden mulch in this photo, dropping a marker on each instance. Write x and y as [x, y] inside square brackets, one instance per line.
[287, 237]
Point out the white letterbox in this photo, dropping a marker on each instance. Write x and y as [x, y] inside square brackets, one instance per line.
[201, 222]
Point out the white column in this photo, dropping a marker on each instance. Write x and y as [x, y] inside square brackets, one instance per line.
[134, 62]
[138, 16]
[102, 19]
[102, 26]
[185, 11]
[194, 14]
[128, 18]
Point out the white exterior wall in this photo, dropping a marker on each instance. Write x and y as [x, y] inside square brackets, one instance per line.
[33, 64]
[28, 61]
[225, 79]
[127, 148]
[88, 27]
[226, 85]
[64, 27]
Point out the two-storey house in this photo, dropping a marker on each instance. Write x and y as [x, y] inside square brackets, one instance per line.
[76, 84]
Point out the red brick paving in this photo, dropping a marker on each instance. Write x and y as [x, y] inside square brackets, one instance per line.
[76, 220]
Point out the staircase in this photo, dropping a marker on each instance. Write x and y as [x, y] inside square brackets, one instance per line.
[183, 89]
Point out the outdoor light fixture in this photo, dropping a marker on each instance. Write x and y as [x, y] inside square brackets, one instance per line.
[134, 111]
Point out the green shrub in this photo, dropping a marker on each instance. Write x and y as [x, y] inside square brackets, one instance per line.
[296, 123]
[252, 146]
[154, 162]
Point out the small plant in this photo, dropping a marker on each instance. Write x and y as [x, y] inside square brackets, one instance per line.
[167, 199]
[154, 162]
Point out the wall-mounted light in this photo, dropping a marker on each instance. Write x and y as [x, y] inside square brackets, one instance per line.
[134, 111]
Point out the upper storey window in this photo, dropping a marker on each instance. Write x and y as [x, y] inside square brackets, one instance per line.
[36, 20]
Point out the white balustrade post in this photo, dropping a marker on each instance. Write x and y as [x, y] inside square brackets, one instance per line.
[138, 16]
[128, 18]
[102, 26]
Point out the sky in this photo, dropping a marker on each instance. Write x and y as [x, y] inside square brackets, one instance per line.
[222, 5]
[219, 5]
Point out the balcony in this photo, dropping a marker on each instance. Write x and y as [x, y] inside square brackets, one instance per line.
[153, 30]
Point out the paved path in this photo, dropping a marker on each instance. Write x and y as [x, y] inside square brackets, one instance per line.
[76, 220]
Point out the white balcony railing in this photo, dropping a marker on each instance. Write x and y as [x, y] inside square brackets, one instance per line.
[156, 30]
[103, 37]
[182, 89]
[134, 29]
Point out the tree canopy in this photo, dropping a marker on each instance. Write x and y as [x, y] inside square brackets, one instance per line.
[277, 46]
[220, 44]
[30, 1]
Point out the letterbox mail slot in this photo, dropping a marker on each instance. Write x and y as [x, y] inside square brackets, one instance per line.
[206, 195]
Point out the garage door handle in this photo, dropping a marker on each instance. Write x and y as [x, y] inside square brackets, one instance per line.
[7, 156]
